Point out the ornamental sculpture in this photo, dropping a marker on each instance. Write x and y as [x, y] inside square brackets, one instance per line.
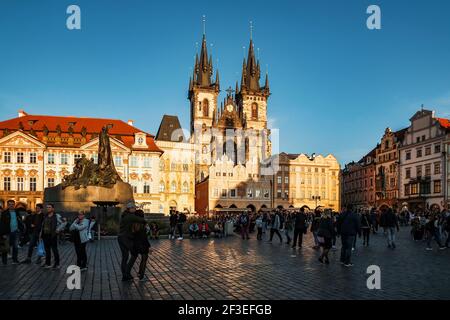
[87, 173]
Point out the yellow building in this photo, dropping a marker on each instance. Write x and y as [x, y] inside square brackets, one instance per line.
[176, 167]
[307, 180]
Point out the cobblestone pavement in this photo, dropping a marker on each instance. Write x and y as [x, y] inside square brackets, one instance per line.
[232, 268]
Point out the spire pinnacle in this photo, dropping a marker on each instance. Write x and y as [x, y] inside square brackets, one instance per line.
[204, 25]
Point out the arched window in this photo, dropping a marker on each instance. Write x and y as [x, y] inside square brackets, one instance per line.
[205, 106]
[254, 111]
[173, 187]
[162, 186]
[185, 187]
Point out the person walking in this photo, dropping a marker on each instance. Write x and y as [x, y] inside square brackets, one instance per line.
[374, 220]
[10, 229]
[432, 232]
[366, 225]
[288, 227]
[141, 246]
[173, 224]
[348, 226]
[129, 222]
[51, 227]
[35, 221]
[80, 233]
[275, 227]
[325, 235]
[300, 228]
[391, 224]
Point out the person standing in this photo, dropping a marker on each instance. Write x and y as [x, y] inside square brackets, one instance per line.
[432, 232]
[315, 228]
[259, 227]
[128, 223]
[36, 219]
[300, 228]
[325, 233]
[275, 226]
[180, 222]
[80, 232]
[391, 224]
[348, 226]
[288, 228]
[244, 223]
[173, 224]
[366, 226]
[49, 233]
[10, 228]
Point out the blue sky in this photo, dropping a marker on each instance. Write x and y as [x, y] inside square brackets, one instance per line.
[335, 84]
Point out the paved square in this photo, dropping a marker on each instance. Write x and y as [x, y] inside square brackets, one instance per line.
[234, 269]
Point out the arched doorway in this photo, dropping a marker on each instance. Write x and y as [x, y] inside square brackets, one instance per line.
[251, 207]
[280, 207]
[233, 206]
[263, 206]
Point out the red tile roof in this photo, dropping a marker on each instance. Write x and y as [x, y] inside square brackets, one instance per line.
[445, 123]
[37, 123]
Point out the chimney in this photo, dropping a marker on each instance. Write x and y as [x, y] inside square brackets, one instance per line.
[130, 122]
[22, 113]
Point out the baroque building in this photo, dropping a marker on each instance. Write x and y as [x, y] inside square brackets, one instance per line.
[176, 167]
[423, 162]
[387, 169]
[307, 180]
[231, 140]
[38, 151]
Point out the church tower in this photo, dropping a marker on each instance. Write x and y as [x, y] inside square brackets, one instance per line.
[252, 101]
[203, 95]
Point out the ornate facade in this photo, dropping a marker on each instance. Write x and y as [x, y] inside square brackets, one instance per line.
[230, 141]
[307, 180]
[38, 151]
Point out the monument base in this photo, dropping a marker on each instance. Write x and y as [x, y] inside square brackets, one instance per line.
[70, 200]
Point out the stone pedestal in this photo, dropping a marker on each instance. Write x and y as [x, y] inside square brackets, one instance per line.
[70, 200]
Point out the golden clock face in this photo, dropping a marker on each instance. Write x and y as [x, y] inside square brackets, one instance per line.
[230, 108]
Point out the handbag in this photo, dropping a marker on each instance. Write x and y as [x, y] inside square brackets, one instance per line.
[41, 249]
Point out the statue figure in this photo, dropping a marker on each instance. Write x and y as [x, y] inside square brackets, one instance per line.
[87, 173]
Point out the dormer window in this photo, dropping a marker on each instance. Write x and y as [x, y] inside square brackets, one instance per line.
[140, 140]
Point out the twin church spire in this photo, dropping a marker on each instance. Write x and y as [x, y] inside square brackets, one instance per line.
[250, 77]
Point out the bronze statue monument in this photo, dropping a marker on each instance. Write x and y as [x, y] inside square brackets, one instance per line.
[91, 183]
[87, 173]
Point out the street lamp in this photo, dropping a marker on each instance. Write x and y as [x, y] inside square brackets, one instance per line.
[317, 198]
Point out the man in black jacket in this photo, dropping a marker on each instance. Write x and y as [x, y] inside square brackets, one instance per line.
[348, 226]
[10, 228]
[300, 227]
[35, 224]
[390, 223]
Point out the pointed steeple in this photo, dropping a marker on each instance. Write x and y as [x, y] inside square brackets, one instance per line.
[252, 70]
[217, 83]
[266, 84]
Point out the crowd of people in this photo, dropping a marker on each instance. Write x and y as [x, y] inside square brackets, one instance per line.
[43, 230]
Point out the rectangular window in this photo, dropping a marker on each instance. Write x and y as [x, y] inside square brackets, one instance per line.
[224, 193]
[437, 168]
[408, 173]
[286, 194]
[51, 158]
[173, 167]
[266, 193]
[418, 171]
[279, 193]
[19, 184]
[419, 153]
[7, 183]
[135, 188]
[279, 179]
[437, 186]
[414, 189]
[64, 159]
[50, 182]
[7, 157]
[216, 193]
[425, 188]
[408, 155]
[407, 189]
[33, 157]
[427, 150]
[286, 180]
[232, 193]
[146, 189]
[118, 161]
[19, 157]
[437, 148]
[185, 167]
[428, 170]
[147, 162]
[133, 161]
[249, 193]
[257, 193]
[33, 184]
